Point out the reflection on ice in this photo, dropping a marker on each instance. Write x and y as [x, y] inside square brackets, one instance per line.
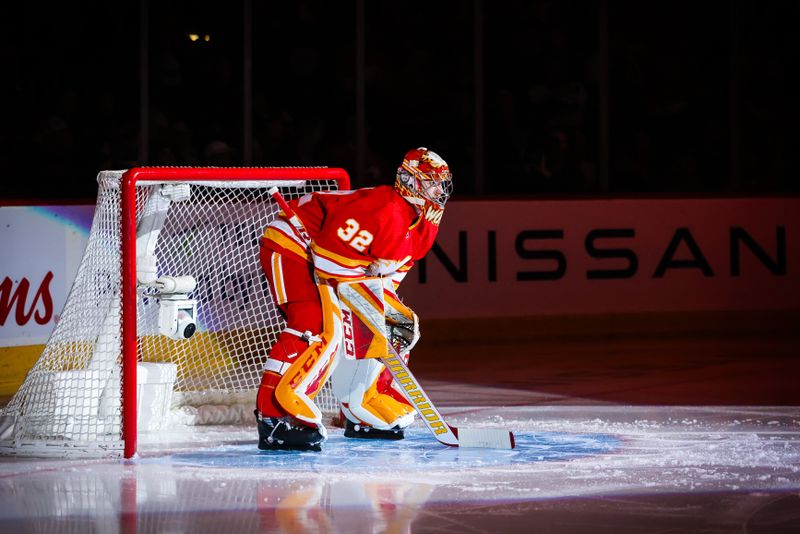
[213, 480]
[162, 497]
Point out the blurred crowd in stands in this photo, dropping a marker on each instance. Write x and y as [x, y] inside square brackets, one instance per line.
[697, 96]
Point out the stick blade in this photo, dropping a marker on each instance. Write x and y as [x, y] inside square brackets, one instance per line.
[485, 438]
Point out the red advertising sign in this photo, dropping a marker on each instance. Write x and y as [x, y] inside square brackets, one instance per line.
[521, 258]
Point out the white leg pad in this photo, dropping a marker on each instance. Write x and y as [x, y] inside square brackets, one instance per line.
[350, 383]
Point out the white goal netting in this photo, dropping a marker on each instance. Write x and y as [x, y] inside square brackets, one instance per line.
[71, 401]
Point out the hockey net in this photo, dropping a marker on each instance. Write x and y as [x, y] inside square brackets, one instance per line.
[80, 397]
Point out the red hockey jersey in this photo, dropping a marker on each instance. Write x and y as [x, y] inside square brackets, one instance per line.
[355, 233]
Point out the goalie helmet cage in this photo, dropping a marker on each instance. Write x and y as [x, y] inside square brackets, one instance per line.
[82, 397]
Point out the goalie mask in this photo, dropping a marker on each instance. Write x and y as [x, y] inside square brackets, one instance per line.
[424, 180]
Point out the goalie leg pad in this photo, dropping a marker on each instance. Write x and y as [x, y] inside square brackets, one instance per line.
[367, 400]
[290, 345]
[302, 358]
[308, 373]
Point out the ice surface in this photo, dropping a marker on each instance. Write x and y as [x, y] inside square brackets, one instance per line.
[563, 452]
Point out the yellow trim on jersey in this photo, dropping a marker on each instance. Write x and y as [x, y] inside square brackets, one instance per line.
[329, 264]
[277, 278]
[287, 243]
[342, 261]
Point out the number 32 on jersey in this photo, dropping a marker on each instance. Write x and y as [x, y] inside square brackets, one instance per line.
[354, 236]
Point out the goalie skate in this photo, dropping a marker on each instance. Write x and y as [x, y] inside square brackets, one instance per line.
[354, 430]
[288, 435]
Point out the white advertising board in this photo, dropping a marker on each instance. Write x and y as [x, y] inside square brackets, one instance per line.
[42, 248]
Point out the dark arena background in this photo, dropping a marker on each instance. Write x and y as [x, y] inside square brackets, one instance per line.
[616, 278]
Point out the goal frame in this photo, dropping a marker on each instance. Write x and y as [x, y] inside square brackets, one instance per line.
[128, 296]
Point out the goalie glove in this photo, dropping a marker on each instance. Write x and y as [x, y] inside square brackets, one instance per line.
[402, 331]
[402, 324]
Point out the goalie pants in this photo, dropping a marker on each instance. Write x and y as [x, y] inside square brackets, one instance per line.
[304, 305]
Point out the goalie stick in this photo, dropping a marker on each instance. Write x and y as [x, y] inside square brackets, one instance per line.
[491, 438]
